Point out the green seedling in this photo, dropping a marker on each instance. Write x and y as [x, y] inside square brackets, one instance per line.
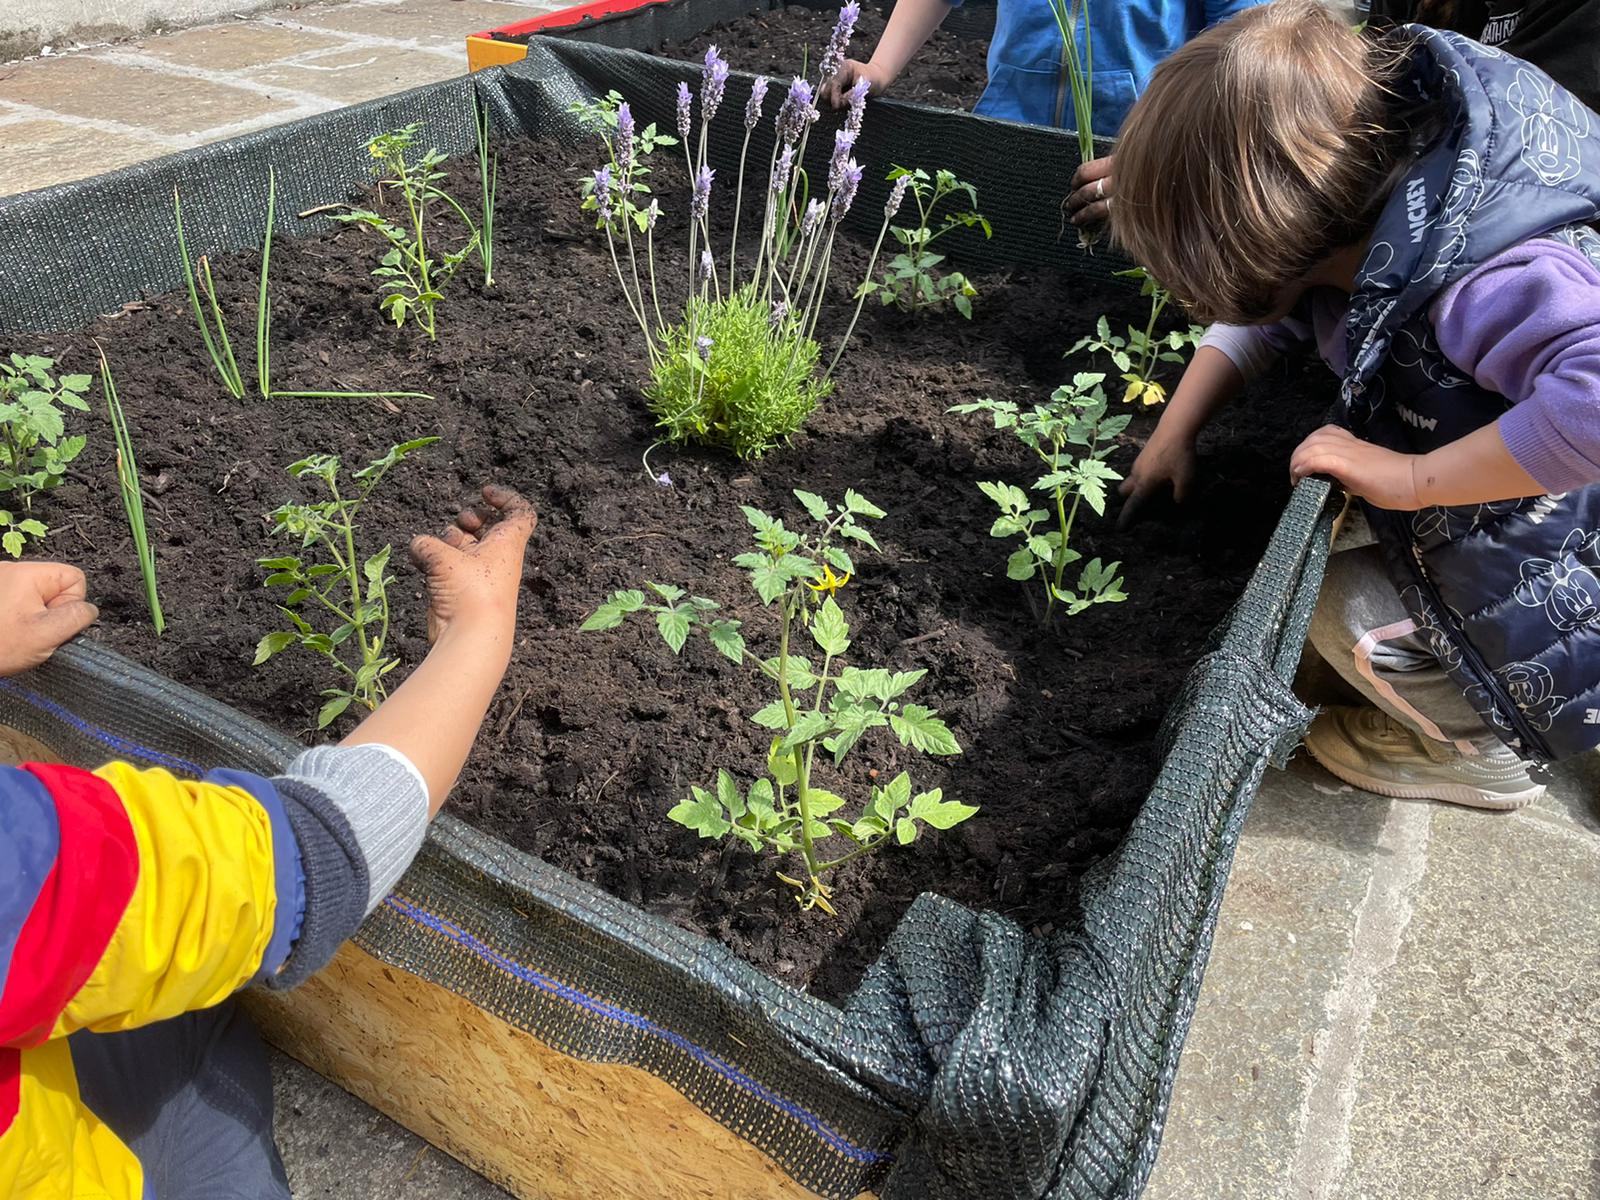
[910, 279]
[817, 705]
[132, 495]
[34, 446]
[339, 585]
[1139, 356]
[1072, 436]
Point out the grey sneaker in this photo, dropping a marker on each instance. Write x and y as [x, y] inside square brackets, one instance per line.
[1370, 750]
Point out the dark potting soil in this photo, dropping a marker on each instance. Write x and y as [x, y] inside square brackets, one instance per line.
[594, 736]
[948, 72]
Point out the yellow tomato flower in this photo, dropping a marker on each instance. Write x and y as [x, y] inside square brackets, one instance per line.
[1147, 390]
[829, 583]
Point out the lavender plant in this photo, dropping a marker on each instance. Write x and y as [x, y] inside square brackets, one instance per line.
[735, 362]
[785, 810]
[34, 446]
[910, 279]
[1072, 436]
[1139, 355]
[344, 586]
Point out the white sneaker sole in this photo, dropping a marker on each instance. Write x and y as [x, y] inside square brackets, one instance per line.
[1463, 794]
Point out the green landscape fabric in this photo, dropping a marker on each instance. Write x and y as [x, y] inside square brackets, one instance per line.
[976, 1060]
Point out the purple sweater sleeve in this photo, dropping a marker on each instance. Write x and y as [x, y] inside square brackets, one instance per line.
[1526, 324]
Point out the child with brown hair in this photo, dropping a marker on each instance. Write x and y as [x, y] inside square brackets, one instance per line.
[1418, 209]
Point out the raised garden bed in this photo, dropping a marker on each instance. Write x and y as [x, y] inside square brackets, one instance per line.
[1083, 1001]
[596, 736]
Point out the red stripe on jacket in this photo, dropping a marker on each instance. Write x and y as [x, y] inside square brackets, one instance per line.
[78, 908]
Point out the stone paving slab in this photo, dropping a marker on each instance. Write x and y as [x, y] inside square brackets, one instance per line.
[353, 74]
[88, 87]
[336, 1148]
[1280, 946]
[33, 149]
[68, 116]
[1431, 1032]
[234, 47]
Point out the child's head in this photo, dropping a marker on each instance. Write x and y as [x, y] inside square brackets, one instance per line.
[1258, 149]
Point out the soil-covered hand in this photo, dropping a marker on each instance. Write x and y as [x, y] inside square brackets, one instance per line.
[1383, 478]
[1089, 202]
[474, 569]
[835, 90]
[1165, 462]
[42, 607]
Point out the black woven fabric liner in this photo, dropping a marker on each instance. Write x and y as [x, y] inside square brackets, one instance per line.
[975, 1060]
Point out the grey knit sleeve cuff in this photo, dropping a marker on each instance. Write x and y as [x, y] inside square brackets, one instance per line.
[381, 797]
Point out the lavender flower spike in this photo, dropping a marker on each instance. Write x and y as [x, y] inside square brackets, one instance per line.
[857, 97]
[707, 267]
[703, 346]
[602, 191]
[624, 139]
[758, 96]
[650, 215]
[896, 196]
[844, 141]
[714, 81]
[664, 480]
[684, 101]
[779, 314]
[813, 218]
[780, 173]
[700, 203]
[833, 56]
[846, 195]
[799, 110]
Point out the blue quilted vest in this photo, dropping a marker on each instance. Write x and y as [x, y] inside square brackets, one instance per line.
[1507, 593]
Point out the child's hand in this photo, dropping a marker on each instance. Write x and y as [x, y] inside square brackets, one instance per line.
[836, 88]
[42, 607]
[475, 569]
[1383, 478]
[1089, 202]
[1167, 460]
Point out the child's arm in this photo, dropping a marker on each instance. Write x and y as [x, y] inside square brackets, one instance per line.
[1525, 324]
[134, 896]
[910, 26]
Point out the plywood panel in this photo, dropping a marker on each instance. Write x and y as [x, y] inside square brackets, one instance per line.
[540, 1124]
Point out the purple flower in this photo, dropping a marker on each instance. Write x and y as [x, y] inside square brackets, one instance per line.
[650, 215]
[833, 56]
[797, 112]
[713, 82]
[844, 141]
[758, 96]
[896, 196]
[684, 101]
[846, 195]
[857, 96]
[602, 191]
[779, 314]
[780, 173]
[624, 139]
[700, 203]
[707, 268]
[813, 218]
[703, 346]
[664, 480]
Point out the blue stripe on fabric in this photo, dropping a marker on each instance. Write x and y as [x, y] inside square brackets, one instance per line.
[633, 1020]
[120, 746]
[30, 840]
[288, 874]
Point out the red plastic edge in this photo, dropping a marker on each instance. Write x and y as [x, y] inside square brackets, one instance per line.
[577, 14]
